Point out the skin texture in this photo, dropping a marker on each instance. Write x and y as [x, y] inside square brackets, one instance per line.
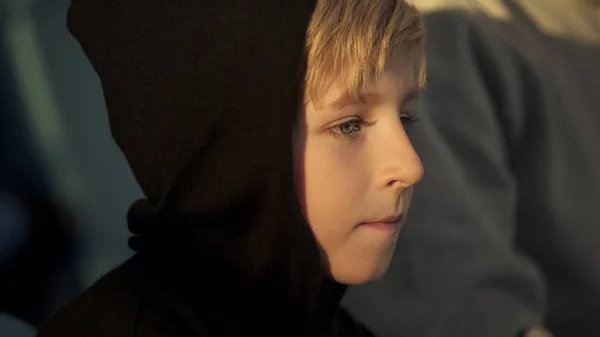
[355, 165]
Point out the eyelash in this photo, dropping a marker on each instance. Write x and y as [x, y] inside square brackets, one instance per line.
[337, 133]
[408, 118]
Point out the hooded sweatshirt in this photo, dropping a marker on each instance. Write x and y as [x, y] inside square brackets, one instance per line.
[504, 229]
[201, 98]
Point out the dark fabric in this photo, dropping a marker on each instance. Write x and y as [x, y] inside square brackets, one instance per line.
[201, 99]
[503, 231]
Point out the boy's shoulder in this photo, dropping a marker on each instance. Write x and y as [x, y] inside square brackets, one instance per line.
[108, 308]
[117, 306]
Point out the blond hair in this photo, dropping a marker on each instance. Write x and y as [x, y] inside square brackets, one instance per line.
[352, 40]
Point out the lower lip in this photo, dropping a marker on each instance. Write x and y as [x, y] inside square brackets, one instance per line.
[384, 226]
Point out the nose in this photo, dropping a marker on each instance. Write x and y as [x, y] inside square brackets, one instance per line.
[399, 164]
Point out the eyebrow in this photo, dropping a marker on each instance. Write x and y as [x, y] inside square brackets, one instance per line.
[411, 95]
[347, 100]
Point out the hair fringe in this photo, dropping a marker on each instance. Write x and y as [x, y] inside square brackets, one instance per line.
[354, 39]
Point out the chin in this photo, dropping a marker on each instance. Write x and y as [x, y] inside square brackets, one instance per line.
[352, 273]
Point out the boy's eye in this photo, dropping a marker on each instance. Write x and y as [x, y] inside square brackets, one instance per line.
[346, 130]
[408, 117]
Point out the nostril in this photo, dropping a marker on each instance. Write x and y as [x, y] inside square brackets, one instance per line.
[397, 184]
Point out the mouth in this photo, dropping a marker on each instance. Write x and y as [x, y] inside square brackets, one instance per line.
[391, 219]
[391, 223]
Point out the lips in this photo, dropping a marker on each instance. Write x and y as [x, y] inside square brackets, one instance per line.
[391, 219]
[389, 224]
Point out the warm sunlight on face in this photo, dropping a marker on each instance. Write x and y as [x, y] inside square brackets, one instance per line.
[354, 171]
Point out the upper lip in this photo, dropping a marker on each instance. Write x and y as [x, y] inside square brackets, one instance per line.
[389, 219]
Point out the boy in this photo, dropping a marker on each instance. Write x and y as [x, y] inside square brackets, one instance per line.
[246, 230]
[357, 165]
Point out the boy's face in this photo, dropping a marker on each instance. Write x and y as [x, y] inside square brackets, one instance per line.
[354, 172]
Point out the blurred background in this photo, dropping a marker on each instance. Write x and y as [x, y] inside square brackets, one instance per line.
[62, 177]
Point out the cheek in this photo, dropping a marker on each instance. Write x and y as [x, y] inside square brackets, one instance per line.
[333, 187]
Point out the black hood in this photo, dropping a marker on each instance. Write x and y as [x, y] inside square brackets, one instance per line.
[202, 97]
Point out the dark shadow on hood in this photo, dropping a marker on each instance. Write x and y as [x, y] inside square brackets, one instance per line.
[201, 99]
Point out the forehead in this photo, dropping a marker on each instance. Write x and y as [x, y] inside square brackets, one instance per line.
[397, 81]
